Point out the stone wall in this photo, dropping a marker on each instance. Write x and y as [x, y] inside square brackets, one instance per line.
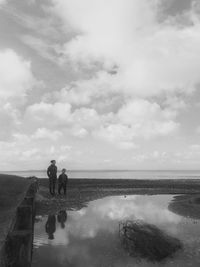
[17, 250]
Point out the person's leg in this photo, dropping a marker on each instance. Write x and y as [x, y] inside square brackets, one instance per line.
[65, 188]
[50, 186]
[54, 186]
[62, 186]
[59, 188]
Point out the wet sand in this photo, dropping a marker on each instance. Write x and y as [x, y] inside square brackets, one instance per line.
[81, 191]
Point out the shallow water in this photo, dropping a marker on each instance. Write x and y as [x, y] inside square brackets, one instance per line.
[90, 237]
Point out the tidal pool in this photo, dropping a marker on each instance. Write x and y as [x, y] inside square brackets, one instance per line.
[90, 237]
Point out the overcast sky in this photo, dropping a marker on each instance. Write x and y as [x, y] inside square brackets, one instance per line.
[100, 84]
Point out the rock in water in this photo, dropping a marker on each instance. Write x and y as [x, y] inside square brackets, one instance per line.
[147, 241]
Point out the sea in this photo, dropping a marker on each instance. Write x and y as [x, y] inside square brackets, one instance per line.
[116, 174]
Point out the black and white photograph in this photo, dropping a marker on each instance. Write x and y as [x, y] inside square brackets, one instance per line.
[99, 133]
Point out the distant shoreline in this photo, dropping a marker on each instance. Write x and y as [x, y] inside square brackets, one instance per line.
[115, 174]
[108, 170]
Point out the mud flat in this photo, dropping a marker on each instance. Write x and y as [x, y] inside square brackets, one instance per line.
[81, 191]
[186, 205]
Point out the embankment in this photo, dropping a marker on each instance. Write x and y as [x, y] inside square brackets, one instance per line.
[17, 227]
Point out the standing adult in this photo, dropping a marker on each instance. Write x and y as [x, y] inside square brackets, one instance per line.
[50, 226]
[52, 174]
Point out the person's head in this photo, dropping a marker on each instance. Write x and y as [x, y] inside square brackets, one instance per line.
[53, 162]
[63, 171]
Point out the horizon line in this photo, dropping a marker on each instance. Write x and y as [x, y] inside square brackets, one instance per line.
[103, 170]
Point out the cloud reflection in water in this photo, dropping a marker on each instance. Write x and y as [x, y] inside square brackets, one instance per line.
[90, 237]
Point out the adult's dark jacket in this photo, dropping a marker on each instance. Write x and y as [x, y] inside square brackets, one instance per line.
[52, 171]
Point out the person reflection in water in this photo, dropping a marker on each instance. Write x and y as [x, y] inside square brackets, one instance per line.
[51, 226]
[62, 218]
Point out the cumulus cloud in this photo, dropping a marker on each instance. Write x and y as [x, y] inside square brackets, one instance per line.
[138, 118]
[2, 2]
[43, 47]
[140, 69]
[16, 77]
[131, 71]
[9, 120]
[61, 114]
[91, 92]
[76, 122]
[152, 156]
[152, 57]
[43, 133]
[198, 130]
[39, 148]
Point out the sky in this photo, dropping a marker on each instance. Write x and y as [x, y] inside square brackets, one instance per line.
[100, 84]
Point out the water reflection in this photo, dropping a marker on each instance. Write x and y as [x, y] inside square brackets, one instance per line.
[62, 218]
[103, 214]
[91, 237]
[50, 226]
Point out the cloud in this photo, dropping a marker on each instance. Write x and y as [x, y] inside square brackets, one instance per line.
[9, 120]
[49, 114]
[40, 147]
[152, 156]
[77, 122]
[140, 69]
[91, 92]
[45, 48]
[123, 75]
[2, 2]
[16, 80]
[136, 119]
[146, 118]
[16, 77]
[152, 56]
[198, 130]
[43, 133]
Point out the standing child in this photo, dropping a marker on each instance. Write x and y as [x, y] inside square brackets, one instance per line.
[62, 181]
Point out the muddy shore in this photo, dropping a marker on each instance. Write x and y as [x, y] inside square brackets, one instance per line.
[81, 191]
